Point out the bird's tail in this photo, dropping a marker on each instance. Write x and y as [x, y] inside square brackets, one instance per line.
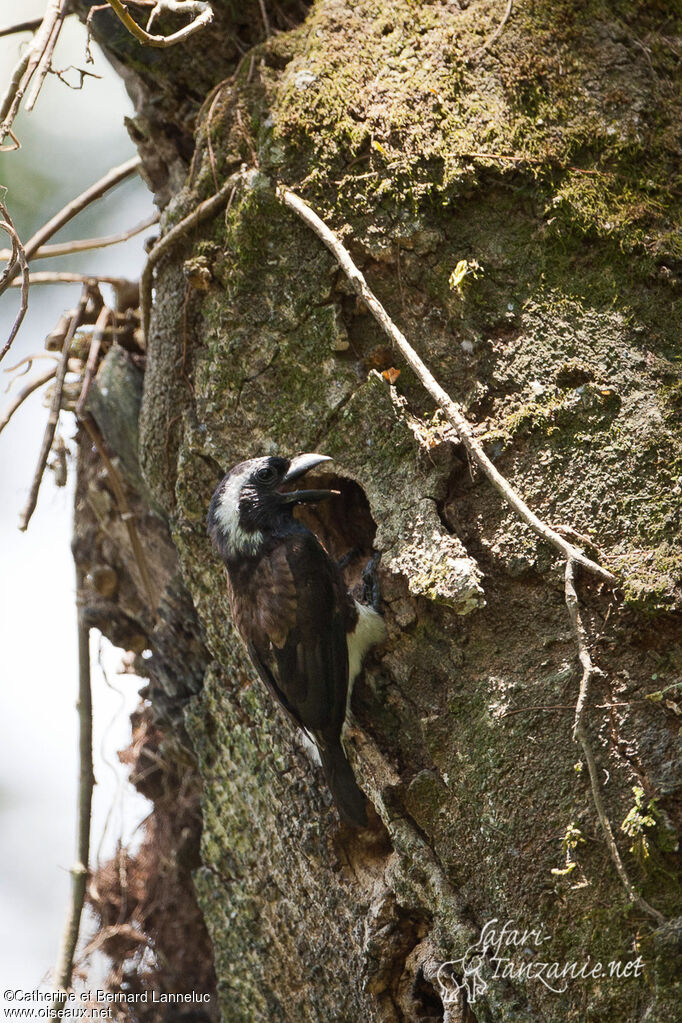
[348, 796]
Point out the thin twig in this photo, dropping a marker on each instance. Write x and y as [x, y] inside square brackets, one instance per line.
[22, 26]
[112, 178]
[86, 781]
[580, 734]
[124, 509]
[51, 426]
[568, 706]
[524, 710]
[168, 241]
[45, 61]
[566, 530]
[205, 17]
[11, 92]
[533, 160]
[42, 43]
[93, 354]
[28, 361]
[636, 899]
[24, 393]
[69, 277]
[17, 264]
[581, 639]
[86, 244]
[264, 16]
[498, 31]
[452, 410]
[209, 143]
[16, 144]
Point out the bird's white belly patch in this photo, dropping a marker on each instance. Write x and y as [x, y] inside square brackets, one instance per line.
[370, 630]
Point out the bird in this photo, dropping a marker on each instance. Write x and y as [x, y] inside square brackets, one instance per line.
[305, 634]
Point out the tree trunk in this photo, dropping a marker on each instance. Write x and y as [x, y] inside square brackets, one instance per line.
[513, 199]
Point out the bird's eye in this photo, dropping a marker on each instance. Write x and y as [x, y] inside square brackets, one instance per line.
[265, 475]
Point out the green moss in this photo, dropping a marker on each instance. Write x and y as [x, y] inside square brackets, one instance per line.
[407, 114]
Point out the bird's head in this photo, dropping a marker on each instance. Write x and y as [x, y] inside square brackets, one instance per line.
[249, 502]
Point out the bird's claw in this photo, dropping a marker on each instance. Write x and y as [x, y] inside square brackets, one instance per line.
[371, 587]
[349, 556]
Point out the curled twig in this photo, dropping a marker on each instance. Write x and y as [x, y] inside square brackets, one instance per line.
[55, 406]
[25, 392]
[452, 410]
[580, 735]
[27, 361]
[203, 12]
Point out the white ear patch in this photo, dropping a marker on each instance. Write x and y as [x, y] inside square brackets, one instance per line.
[239, 540]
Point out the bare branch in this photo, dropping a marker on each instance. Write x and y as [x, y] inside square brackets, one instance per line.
[112, 178]
[37, 58]
[11, 92]
[51, 425]
[86, 244]
[27, 361]
[581, 640]
[24, 393]
[580, 734]
[22, 26]
[16, 264]
[264, 16]
[45, 61]
[198, 7]
[68, 277]
[93, 354]
[86, 781]
[168, 241]
[452, 410]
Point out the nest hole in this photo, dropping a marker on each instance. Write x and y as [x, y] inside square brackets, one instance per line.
[343, 523]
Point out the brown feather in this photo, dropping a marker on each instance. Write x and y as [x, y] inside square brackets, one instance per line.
[265, 611]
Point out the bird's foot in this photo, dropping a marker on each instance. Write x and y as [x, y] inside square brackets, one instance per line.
[349, 556]
[371, 587]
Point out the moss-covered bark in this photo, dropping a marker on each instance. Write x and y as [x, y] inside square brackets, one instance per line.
[548, 163]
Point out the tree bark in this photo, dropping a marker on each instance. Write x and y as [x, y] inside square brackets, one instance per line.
[513, 201]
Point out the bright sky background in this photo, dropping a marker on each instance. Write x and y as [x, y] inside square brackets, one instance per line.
[69, 141]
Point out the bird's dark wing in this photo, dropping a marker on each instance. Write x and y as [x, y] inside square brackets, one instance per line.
[291, 614]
